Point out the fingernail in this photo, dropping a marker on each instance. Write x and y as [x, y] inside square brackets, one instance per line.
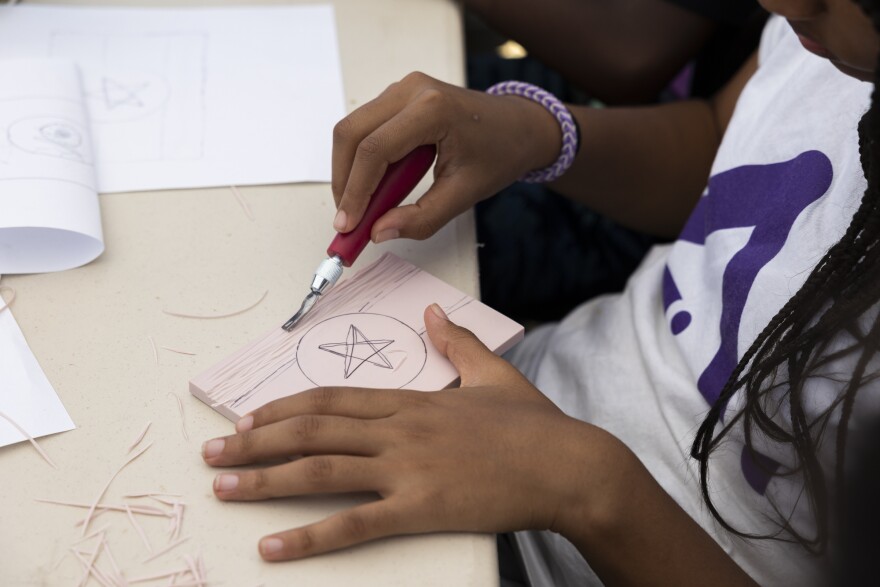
[269, 546]
[225, 482]
[438, 311]
[245, 424]
[212, 448]
[341, 221]
[387, 235]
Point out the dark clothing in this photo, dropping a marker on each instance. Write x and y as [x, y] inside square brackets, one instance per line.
[542, 254]
[740, 23]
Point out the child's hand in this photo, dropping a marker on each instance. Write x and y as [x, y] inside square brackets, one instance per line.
[484, 144]
[492, 456]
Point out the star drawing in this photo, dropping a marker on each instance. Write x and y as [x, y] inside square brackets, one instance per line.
[358, 349]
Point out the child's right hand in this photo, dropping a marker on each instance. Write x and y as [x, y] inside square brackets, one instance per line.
[484, 143]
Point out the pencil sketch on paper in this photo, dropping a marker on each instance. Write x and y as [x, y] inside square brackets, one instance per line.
[50, 136]
[361, 359]
[123, 97]
[145, 85]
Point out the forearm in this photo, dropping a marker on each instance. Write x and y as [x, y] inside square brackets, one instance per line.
[633, 533]
[599, 45]
[647, 167]
[643, 167]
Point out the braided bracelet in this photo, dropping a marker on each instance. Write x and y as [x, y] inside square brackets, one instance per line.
[566, 121]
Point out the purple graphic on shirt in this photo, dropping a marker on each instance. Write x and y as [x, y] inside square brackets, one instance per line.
[768, 199]
[757, 469]
[682, 319]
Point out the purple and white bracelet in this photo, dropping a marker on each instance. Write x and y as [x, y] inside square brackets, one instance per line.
[566, 123]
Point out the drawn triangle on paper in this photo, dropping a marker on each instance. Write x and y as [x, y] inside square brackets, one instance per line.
[117, 94]
[358, 349]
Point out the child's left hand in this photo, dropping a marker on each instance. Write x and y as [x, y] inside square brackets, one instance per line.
[491, 456]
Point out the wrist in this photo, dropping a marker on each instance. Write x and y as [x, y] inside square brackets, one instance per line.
[562, 141]
[596, 489]
[542, 133]
[535, 134]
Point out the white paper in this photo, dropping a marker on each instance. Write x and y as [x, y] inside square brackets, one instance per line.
[26, 395]
[196, 97]
[49, 215]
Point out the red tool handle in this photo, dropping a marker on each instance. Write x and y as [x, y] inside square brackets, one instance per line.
[399, 180]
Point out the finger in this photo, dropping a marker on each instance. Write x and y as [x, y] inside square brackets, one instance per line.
[352, 129]
[308, 434]
[419, 123]
[351, 402]
[306, 476]
[354, 526]
[476, 364]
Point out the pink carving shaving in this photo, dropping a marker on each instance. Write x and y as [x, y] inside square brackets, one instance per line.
[92, 570]
[91, 564]
[156, 358]
[11, 292]
[120, 578]
[178, 520]
[139, 438]
[90, 536]
[178, 351]
[182, 416]
[244, 205]
[138, 529]
[109, 481]
[30, 439]
[101, 507]
[165, 550]
[159, 497]
[213, 316]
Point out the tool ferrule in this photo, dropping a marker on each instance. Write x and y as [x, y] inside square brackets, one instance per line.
[327, 274]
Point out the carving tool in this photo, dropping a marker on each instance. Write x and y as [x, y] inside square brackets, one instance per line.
[399, 180]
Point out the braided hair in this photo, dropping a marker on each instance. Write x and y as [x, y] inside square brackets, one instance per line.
[839, 298]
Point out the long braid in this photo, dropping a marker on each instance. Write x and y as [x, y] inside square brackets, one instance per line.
[843, 288]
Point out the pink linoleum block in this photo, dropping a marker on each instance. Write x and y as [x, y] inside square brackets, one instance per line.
[368, 331]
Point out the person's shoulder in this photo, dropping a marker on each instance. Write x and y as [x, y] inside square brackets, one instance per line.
[731, 12]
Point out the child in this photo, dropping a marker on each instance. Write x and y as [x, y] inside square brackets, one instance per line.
[753, 332]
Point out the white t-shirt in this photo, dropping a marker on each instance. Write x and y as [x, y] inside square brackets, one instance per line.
[647, 364]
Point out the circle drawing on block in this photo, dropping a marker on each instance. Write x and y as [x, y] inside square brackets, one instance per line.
[123, 96]
[50, 136]
[361, 350]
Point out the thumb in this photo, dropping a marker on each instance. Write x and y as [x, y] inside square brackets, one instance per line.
[476, 364]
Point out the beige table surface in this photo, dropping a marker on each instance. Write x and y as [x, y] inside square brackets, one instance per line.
[196, 251]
